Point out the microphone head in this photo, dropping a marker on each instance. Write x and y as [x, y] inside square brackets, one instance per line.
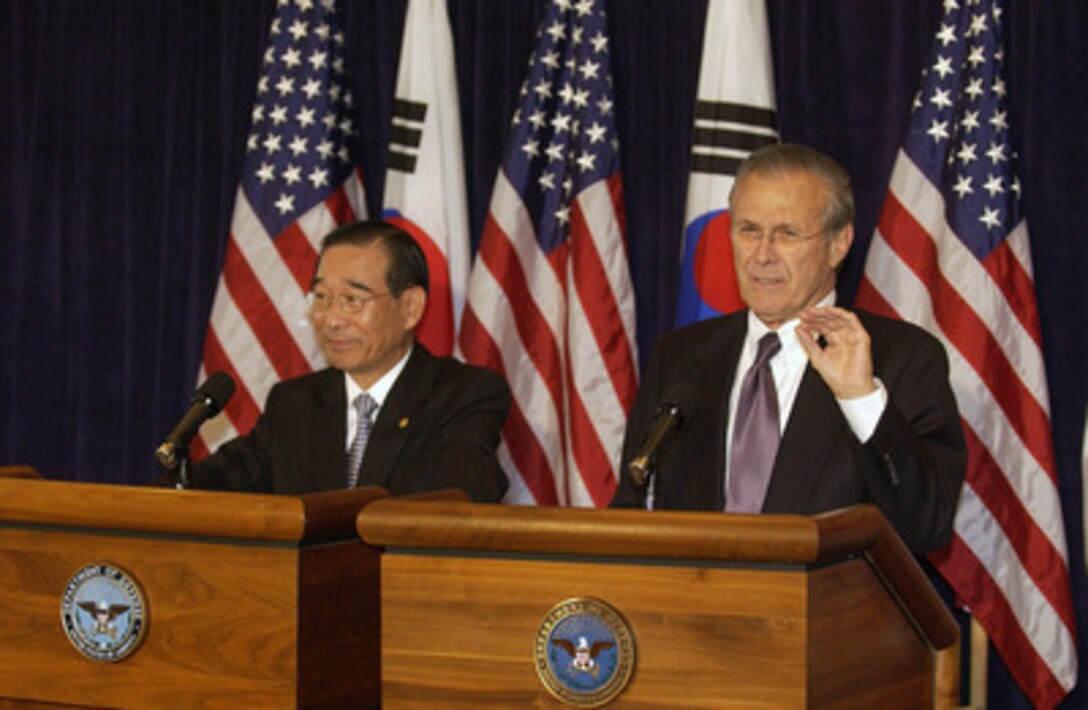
[681, 397]
[215, 392]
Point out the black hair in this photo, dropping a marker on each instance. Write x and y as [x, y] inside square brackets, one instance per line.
[407, 263]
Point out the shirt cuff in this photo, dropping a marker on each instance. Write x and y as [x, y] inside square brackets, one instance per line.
[863, 413]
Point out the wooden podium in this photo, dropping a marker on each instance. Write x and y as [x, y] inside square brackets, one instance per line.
[724, 610]
[249, 600]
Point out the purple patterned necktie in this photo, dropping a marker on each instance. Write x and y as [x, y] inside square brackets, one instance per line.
[755, 433]
[364, 407]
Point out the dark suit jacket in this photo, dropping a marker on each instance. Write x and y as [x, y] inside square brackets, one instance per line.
[438, 428]
[912, 467]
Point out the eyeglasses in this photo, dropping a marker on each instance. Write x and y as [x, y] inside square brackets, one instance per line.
[349, 303]
[786, 239]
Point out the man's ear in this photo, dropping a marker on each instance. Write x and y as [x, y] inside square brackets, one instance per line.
[413, 302]
[840, 245]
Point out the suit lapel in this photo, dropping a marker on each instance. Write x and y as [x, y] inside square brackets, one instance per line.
[715, 366]
[813, 430]
[396, 418]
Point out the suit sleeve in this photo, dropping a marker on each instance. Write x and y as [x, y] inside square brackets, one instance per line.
[914, 464]
[243, 463]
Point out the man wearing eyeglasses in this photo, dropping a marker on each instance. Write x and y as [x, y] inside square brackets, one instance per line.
[385, 412]
[796, 405]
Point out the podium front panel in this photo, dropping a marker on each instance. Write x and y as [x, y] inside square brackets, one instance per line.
[458, 631]
[219, 623]
[248, 600]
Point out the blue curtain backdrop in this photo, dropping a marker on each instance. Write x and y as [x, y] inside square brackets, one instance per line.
[122, 126]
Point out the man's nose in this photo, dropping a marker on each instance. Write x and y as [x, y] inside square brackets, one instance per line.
[765, 251]
[334, 318]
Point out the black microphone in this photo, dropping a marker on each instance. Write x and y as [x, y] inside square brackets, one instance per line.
[674, 409]
[205, 403]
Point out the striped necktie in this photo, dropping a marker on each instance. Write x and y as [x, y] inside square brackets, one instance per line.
[364, 408]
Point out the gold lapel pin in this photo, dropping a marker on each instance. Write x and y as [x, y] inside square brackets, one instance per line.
[403, 423]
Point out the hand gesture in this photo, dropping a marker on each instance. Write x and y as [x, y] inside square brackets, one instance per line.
[838, 348]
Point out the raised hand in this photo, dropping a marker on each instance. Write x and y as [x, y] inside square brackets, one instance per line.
[838, 348]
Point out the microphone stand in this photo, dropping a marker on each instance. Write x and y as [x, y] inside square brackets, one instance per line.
[645, 470]
[651, 490]
[183, 469]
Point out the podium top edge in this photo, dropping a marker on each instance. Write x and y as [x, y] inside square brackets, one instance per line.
[139, 509]
[793, 539]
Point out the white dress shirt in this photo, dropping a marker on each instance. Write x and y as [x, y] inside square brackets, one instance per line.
[378, 392]
[788, 367]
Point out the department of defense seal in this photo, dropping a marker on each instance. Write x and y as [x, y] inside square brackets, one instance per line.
[103, 613]
[584, 652]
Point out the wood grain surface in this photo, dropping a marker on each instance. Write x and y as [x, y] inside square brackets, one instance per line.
[458, 632]
[251, 601]
[170, 511]
[669, 535]
[221, 625]
[766, 611]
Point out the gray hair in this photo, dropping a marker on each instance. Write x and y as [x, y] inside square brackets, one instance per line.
[790, 157]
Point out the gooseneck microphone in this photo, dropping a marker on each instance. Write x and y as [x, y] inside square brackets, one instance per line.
[674, 409]
[208, 400]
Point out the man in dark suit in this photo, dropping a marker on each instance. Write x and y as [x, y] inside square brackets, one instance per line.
[859, 405]
[430, 422]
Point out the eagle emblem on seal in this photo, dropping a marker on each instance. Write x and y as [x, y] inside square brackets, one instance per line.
[583, 653]
[103, 616]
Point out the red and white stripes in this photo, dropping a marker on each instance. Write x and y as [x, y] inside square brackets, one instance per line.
[259, 332]
[1008, 559]
[561, 328]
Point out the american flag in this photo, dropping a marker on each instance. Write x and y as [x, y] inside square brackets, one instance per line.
[299, 181]
[425, 180]
[550, 300]
[951, 253]
[734, 115]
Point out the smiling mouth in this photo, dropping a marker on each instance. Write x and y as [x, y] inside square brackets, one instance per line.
[338, 343]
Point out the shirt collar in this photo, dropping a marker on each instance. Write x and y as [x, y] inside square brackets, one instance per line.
[380, 389]
[787, 332]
